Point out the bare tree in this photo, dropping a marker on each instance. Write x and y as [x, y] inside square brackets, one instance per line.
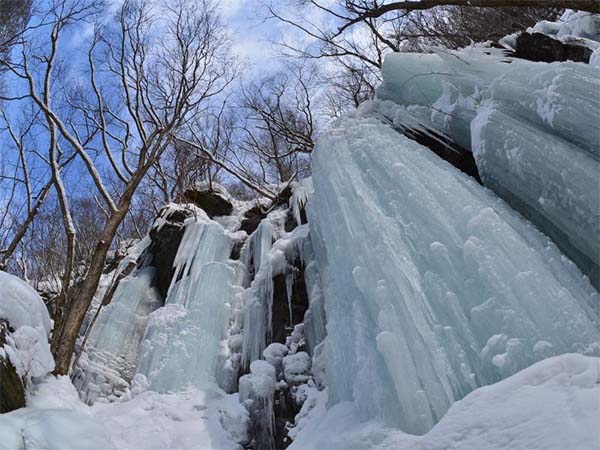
[14, 15]
[150, 74]
[357, 11]
[279, 126]
[458, 26]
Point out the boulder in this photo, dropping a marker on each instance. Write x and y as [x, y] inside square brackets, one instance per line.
[213, 202]
[540, 47]
[252, 219]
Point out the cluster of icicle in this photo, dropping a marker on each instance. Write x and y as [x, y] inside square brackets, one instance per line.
[216, 320]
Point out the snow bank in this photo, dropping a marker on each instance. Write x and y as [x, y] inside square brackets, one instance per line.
[27, 347]
[57, 419]
[21, 305]
[552, 405]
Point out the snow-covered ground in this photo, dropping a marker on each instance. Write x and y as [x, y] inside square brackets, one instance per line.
[57, 420]
[552, 405]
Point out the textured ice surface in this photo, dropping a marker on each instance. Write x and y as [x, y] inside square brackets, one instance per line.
[181, 343]
[433, 286]
[533, 129]
[112, 348]
[563, 197]
[301, 193]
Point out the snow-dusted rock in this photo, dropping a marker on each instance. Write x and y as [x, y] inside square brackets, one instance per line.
[296, 368]
[24, 349]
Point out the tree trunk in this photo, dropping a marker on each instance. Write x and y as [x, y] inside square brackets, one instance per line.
[66, 332]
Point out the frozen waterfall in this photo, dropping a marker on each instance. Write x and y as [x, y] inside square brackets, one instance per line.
[433, 286]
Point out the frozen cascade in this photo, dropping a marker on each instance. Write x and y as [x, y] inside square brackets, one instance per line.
[195, 313]
[564, 197]
[268, 252]
[532, 127]
[561, 98]
[108, 364]
[433, 286]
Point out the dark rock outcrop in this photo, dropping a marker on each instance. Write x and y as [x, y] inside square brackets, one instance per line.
[280, 318]
[212, 202]
[252, 219]
[539, 47]
[446, 149]
[284, 412]
[165, 243]
[12, 392]
[283, 196]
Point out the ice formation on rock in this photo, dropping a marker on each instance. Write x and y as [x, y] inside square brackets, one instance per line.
[532, 127]
[256, 392]
[433, 286]
[182, 342]
[112, 348]
[268, 252]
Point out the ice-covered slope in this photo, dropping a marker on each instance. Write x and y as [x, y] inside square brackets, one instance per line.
[433, 285]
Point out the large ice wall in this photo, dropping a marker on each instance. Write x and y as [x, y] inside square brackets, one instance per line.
[532, 127]
[433, 285]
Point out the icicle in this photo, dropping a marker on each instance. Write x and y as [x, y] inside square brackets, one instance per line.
[300, 195]
[289, 283]
[113, 345]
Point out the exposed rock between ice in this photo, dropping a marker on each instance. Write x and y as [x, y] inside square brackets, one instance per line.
[214, 203]
[165, 243]
[540, 47]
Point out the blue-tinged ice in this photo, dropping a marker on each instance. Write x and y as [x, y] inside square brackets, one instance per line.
[182, 341]
[433, 286]
[108, 364]
[532, 127]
